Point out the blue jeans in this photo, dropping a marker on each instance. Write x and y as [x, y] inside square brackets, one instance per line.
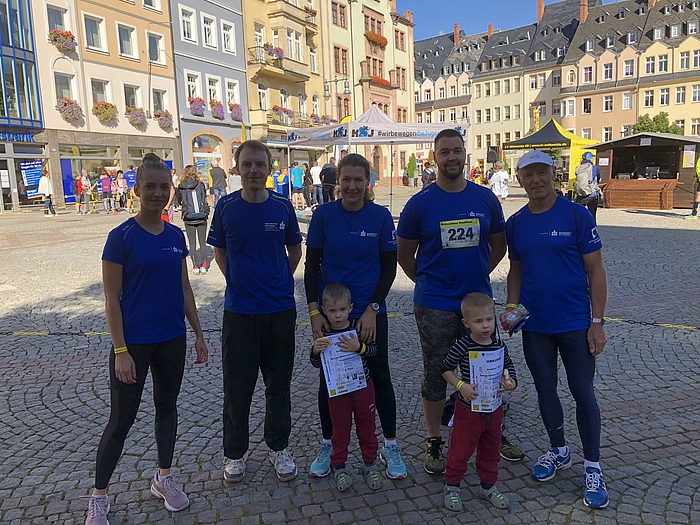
[541, 357]
[317, 195]
[218, 193]
[48, 206]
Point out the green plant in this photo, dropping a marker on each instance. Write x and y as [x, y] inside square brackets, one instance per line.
[657, 124]
[411, 167]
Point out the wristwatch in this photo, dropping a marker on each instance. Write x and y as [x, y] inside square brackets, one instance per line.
[598, 320]
[374, 306]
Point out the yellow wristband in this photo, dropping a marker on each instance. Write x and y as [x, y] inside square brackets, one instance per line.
[363, 348]
[459, 385]
[313, 312]
[511, 305]
[120, 350]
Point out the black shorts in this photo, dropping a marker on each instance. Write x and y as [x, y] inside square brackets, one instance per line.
[297, 190]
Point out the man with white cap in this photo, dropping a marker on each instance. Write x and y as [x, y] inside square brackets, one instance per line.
[557, 273]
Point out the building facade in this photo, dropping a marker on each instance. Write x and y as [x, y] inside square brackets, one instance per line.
[20, 107]
[212, 101]
[106, 77]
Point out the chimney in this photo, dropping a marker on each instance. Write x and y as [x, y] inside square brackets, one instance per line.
[490, 31]
[540, 10]
[583, 11]
[456, 29]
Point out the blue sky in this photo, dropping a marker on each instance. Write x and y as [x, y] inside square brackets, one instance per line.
[473, 16]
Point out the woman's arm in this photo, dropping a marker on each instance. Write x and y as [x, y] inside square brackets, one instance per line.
[124, 367]
[367, 324]
[191, 314]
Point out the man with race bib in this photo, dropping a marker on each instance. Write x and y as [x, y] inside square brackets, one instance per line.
[458, 231]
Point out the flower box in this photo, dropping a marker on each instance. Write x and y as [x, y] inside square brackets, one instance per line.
[325, 120]
[217, 109]
[69, 109]
[135, 116]
[165, 119]
[64, 41]
[236, 112]
[104, 111]
[380, 80]
[197, 106]
[274, 51]
[311, 11]
[376, 39]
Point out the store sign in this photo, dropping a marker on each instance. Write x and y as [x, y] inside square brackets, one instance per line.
[6, 136]
[645, 141]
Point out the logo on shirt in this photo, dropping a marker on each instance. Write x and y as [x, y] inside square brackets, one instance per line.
[367, 234]
[172, 249]
[275, 226]
[594, 235]
[472, 214]
[555, 233]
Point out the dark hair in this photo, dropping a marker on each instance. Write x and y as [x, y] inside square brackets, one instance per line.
[336, 292]
[357, 161]
[448, 133]
[255, 145]
[150, 161]
[120, 171]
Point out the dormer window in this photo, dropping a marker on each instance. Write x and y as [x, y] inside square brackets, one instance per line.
[622, 14]
[601, 18]
[545, 32]
[610, 42]
[561, 51]
[632, 37]
[659, 33]
[590, 45]
[681, 7]
[693, 5]
[557, 29]
[642, 9]
[675, 30]
[666, 10]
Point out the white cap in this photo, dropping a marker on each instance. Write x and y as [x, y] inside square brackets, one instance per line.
[534, 157]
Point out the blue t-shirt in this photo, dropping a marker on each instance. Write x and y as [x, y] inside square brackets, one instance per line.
[152, 300]
[452, 230]
[549, 246]
[351, 242]
[258, 276]
[297, 178]
[130, 178]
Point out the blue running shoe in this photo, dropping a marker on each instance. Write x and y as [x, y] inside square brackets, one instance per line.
[321, 466]
[548, 464]
[596, 494]
[391, 457]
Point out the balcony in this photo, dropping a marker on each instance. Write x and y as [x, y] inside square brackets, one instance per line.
[297, 121]
[272, 66]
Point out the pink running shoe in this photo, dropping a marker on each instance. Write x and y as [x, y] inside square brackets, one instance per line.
[165, 488]
[97, 511]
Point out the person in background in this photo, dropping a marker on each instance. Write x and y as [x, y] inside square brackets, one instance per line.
[317, 191]
[192, 198]
[176, 183]
[308, 182]
[105, 183]
[78, 193]
[217, 181]
[696, 193]
[282, 182]
[297, 186]
[121, 189]
[499, 182]
[87, 188]
[586, 185]
[130, 178]
[46, 189]
[234, 180]
[329, 176]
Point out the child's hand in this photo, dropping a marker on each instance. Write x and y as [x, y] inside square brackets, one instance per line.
[349, 344]
[468, 392]
[320, 345]
[507, 382]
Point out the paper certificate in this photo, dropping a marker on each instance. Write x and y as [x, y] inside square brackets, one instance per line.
[343, 370]
[486, 369]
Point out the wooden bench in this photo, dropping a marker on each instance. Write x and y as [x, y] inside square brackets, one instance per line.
[650, 194]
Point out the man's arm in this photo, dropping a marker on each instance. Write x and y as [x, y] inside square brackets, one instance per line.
[497, 243]
[294, 254]
[598, 286]
[220, 255]
[514, 283]
[406, 255]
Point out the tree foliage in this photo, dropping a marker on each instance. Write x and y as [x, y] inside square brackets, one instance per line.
[411, 167]
[656, 124]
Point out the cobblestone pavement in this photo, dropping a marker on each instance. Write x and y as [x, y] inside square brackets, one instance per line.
[54, 397]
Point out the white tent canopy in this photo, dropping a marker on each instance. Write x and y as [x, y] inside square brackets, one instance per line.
[372, 128]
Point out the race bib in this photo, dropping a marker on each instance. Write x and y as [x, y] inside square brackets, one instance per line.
[464, 233]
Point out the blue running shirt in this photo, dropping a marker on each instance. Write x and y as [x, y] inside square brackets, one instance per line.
[152, 301]
[452, 230]
[130, 178]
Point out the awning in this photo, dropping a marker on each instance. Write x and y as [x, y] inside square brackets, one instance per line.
[551, 135]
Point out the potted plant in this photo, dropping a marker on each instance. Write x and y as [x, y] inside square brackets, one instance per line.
[217, 109]
[326, 120]
[69, 109]
[104, 111]
[236, 112]
[135, 116]
[197, 106]
[274, 51]
[278, 109]
[316, 119]
[64, 41]
[376, 39]
[289, 112]
[164, 117]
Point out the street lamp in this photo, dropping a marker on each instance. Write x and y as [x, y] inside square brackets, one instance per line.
[327, 87]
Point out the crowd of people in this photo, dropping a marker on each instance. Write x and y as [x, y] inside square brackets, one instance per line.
[450, 237]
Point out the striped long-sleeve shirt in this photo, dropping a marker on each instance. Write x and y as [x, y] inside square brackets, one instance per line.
[370, 348]
[458, 356]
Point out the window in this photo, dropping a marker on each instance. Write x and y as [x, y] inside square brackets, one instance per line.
[192, 82]
[590, 45]
[428, 95]
[681, 124]
[158, 100]
[416, 96]
[571, 76]
[156, 53]
[487, 115]
[312, 60]
[516, 135]
[64, 85]
[649, 98]
[213, 88]
[153, 4]
[692, 28]
[187, 27]
[629, 68]
[126, 41]
[209, 31]
[441, 92]
[542, 81]
[610, 42]
[341, 15]
[516, 111]
[556, 107]
[685, 60]
[659, 33]
[675, 30]
[487, 89]
[570, 108]
[695, 127]
[556, 79]
[506, 86]
[428, 118]
[497, 138]
[232, 92]
[131, 96]
[298, 55]
[228, 37]
[290, 44]
[607, 71]
[680, 95]
[497, 114]
[607, 133]
[302, 106]
[477, 116]
[696, 58]
[663, 63]
[453, 91]
[453, 115]
[465, 113]
[607, 103]
[506, 136]
[626, 131]
[336, 59]
[99, 90]
[93, 32]
[478, 142]
[533, 81]
[464, 89]
[561, 51]
[496, 88]
[586, 106]
[696, 93]
[419, 118]
[488, 140]
[632, 37]
[262, 96]
[477, 93]
[664, 96]
[56, 18]
[627, 101]
[650, 65]
[587, 75]
[586, 133]
[314, 105]
[441, 115]
[516, 85]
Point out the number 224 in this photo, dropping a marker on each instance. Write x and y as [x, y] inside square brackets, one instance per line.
[460, 234]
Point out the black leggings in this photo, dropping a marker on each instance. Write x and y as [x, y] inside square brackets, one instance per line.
[167, 363]
[385, 399]
[199, 255]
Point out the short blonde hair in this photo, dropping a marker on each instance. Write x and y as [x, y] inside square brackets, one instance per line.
[476, 301]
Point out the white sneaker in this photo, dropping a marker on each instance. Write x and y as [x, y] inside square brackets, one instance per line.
[284, 465]
[234, 470]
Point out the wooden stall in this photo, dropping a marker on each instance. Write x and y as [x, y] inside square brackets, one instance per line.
[648, 171]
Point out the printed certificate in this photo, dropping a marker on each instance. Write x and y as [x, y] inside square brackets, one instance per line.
[486, 369]
[343, 370]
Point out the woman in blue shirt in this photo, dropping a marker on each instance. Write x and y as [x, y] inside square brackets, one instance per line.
[147, 297]
[353, 241]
